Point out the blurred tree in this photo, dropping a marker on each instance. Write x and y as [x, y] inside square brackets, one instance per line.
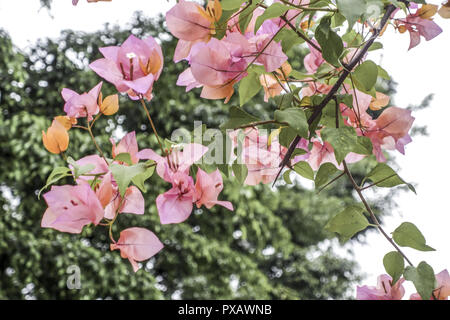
[270, 247]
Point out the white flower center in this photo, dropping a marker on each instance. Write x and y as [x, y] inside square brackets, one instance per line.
[131, 55]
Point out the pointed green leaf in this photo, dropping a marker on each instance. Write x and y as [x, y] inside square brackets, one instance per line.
[365, 75]
[394, 264]
[124, 174]
[240, 172]
[295, 118]
[385, 177]
[249, 87]
[423, 278]
[304, 169]
[348, 222]
[124, 157]
[273, 11]
[324, 174]
[139, 180]
[408, 235]
[238, 117]
[329, 41]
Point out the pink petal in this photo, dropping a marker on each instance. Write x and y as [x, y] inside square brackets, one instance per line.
[137, 244]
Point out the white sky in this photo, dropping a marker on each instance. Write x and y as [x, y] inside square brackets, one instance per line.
[421, 71]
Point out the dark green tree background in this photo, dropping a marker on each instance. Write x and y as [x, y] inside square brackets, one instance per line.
[268, 248]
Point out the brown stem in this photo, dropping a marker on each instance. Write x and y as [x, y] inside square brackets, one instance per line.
[318, 110]
[153, 125]
[372, 215]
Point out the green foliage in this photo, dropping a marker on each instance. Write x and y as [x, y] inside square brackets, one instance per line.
[329, 41]
[238, 117]
[423, 278]
[394, 264]
[304, 169]
[123, 174]
[408, 235]
[348, 222]
[201, 256]
[295, 118]
[365, 75]
[249, 87]
[384, 176]
[324, 173]
[273, 11]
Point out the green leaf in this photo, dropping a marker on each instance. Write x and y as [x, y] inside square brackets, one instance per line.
[240, 172]
[124, 157]
[343, 140]
[246, 16]
[139, 180]
[383, 73]
[288, 38]
[295, 118]
[348, 222]
[57, 174]
[124, 174]
[408, 235]
[394, 264]
[351, 9]
[238, 117]
[287, 134]
[304, 169]
[423, 278]
[329, 41]
[286, 177]
[376, 46]
[274, 11]
[249, 87]
[231, 4]
[365, 75]
[324, 174]
[385, 177]
[284, 101]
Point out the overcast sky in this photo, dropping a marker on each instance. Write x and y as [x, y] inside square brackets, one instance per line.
[421, 71]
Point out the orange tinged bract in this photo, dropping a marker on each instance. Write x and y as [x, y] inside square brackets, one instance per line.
[56, 139]
[66, 121]
[427, 11]
[444, 11]
[110, 105]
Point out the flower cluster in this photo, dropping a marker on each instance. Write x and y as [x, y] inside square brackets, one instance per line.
[386, 289]
[328, 116]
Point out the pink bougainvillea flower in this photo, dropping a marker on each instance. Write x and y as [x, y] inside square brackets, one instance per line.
[383, 291]
[323, 152]
[313, 60]
[420, 24]
[190, 23]
[133, 67]
[442, 291]
[100, 167]
[128, 144]
[179, 159]
[261, 154]
[213, 66]
[132, 202]
[271, 85]
[208, 188]
[81, 105]
[70, 208]
[186, 79]
[137, 244]
[390, 131]
[175, 205]
[268, 52]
